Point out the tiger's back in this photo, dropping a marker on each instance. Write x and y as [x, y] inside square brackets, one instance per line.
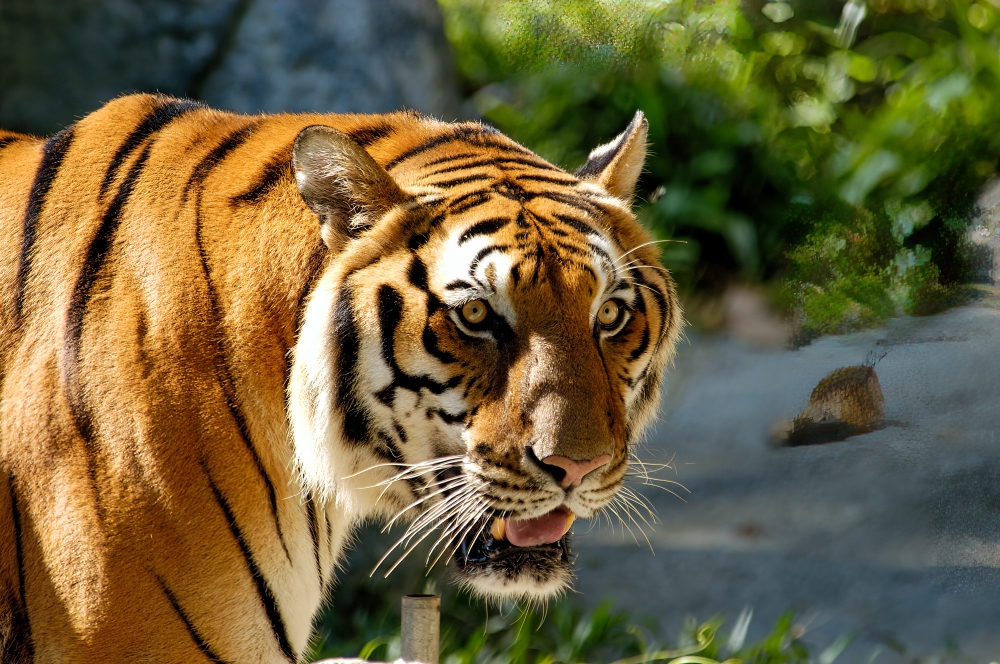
[150, 285]
[155, 261]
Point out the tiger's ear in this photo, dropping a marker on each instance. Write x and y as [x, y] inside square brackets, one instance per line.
[341, 183]
[616, 165]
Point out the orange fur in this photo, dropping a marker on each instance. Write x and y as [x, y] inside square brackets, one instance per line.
[147, 321]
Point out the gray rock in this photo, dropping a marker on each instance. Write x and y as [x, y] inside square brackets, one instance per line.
[337, 55]
[61, 60]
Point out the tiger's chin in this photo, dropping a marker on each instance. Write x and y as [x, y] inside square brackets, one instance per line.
[496, 569]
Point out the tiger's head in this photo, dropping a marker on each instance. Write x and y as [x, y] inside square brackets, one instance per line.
[484, 345]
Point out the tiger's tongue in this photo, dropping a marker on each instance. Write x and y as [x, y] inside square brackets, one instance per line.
[544, 529]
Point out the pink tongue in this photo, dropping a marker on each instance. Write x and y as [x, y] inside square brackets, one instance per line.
[543, 529]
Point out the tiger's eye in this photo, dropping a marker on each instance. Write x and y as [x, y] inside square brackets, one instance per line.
[474, 311]
[608, 313]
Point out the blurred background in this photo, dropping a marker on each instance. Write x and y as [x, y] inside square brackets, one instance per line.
[825, 173]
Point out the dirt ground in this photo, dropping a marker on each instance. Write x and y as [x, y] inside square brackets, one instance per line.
[892, 536]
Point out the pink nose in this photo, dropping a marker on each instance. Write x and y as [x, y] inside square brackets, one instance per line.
[575, 470]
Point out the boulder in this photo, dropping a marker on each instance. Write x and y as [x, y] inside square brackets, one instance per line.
[59, 60]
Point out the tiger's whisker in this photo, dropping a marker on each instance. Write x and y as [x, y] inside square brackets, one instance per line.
[458, 536]
[433, 462]
[645, 244]
[458, 480]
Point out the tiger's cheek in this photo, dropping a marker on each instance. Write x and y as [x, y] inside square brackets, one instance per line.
[626, 355]
[474, 360]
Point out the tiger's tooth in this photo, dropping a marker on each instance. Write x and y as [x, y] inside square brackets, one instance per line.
[498, 529]
[569, 521]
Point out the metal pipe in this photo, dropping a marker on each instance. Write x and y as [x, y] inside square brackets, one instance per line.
[421, 628]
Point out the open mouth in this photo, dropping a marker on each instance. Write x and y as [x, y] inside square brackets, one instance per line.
[518, 556]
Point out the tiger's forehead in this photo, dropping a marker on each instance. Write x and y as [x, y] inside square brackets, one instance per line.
[508, 224]
[508, 240]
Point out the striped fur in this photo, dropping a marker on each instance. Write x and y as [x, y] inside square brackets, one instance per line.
[201, 386]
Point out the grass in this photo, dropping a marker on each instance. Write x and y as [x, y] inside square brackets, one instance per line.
[566, 633]
[363, 621]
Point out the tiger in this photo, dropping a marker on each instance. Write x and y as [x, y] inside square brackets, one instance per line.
[228, 340]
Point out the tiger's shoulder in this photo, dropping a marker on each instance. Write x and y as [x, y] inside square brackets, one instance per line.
[177, 145]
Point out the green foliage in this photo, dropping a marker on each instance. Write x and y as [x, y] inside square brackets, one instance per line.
[471, 634]
[775, 127]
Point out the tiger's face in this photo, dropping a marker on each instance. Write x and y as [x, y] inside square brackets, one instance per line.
[483, 348]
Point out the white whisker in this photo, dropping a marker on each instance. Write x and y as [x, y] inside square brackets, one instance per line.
[645, 244]
[456, 481]
[446, 460]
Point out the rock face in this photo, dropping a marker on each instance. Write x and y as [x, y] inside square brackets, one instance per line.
[338, 55]
[61, 60]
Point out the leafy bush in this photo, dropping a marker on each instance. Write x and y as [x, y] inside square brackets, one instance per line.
[774, 127]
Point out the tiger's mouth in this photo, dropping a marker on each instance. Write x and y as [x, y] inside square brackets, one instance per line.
[527, 558]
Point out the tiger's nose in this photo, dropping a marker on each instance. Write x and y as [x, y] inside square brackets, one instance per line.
[569, 472]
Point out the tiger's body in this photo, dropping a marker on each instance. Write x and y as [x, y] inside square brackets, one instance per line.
[196, 375]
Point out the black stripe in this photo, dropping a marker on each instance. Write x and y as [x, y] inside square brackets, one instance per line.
[539, 262]
[458, 284]
[223, 373]
[641, 348]
[391, 449]
[314, 534]
[430, 342]
[365, 136]
[484, 227]
[152, 123]
[424, 147]
[97, 253]
[596, 165]
[546, 178]
[274, 172]
[232, 141]
[357, 424]
[475, 163]
[515, 274]
[313, 266]
[263, 588]
[660, 298]
[447, 417]
[19, 645]
[571, 249]
[418, 240]
[417, 274]
[600, 252]
[205, 649]
[475, 135]
[436, 221]
[499, 161]
[484, 252]
[53, 154]
[429, 336]
[571, 200]
[475, 177]
[400, 431]
[329, 537]
[577, 224]
[451, 157]
[598, 208]
[390, 313]
[468, 201]
[531, 161]
[10, 140]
